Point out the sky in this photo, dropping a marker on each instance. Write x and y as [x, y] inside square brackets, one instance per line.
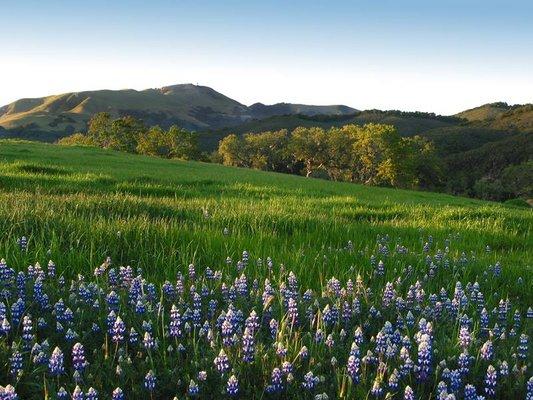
[438, 56]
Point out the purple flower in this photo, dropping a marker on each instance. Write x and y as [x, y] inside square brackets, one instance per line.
[522, 346]
[91, 394]
[232, 387]
[465, 339]
[221, 362]
[490, 381]
[303, 353]
[62, 394]
[118, 331]
[276, 383]
[408, 393]
[55, 363]
[376, 390]
[193, 389]
[424, 358]
[353, 365]
[117, 394]
[148, 341]
[15, 363]
[248, 346]
[150, 381]
[78, 357]
[8, 393]
[310, 381]
[470, 392]
[175, 325]
[292, 312]
[77, 394]
[487, 350]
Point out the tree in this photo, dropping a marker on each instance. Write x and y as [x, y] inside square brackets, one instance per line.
[376, 154]
[185, 144]
[339, 152]
[420, 166]
[119, 134]
[309, 146]
[232, 151]
[268, 150]
[125, 133]
[156, 142]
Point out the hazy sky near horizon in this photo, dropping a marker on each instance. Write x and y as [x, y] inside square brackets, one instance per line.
[440, 56]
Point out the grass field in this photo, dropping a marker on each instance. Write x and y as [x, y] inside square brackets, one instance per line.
[79, 205]
[83, 204]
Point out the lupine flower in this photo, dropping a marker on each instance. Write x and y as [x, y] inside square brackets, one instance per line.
[232, 387]
[78, 357]
[15, 363]
[377, 390]
[221, 362]
[303, 353]
[470, 392]
[62, 394]
[193, 389]
[91, 394]
[529, 389]
[465, 339]
[248, 348]
[150, 381]
[55, 363]
[77, 394]
[148, 341]
[276, 384]
[408, 393]
[522, 346]
[353, 366]
[424, 358]
[8, 393]
[117, 394]
[490, 381]
[310, 381]
[119, 329]
[292, 312]
[487, 350]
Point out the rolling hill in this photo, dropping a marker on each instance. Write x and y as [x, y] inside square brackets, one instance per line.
[501, 116]
[190, 106]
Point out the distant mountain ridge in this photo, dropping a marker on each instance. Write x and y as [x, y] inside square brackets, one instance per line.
[190, 106]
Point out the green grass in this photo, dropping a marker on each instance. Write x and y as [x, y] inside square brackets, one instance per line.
[82, 204]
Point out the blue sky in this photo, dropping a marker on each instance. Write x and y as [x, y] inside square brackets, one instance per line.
[410, 55]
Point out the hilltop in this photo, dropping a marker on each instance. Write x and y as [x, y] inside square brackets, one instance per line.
[189, 106]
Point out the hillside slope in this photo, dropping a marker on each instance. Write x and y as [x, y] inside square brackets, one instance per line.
[501, 116]
[190, 106]
[407, 123]
[86, 203]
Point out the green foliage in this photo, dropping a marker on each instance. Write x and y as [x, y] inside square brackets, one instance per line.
[172, 143]
[118, 134]
[479, 171]
[77, 139]
[373, 154]
[131, 135]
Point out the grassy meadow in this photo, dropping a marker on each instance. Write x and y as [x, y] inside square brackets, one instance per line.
[447, 312]
[80, 205]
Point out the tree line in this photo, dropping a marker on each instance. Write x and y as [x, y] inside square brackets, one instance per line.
[372, 154]
[131, 135]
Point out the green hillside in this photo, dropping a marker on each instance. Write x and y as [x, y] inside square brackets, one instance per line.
[208, 244]
[84, 204]
[501, 116]
[190, 106]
